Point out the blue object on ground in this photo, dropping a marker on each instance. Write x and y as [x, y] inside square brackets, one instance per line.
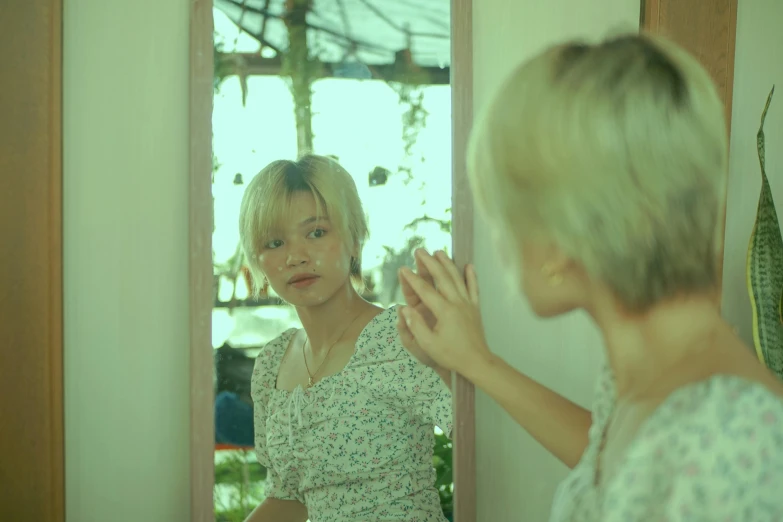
[233, 420]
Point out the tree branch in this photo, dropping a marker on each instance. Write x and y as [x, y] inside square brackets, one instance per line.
[268, 14]
[394, 25]
[346, 40]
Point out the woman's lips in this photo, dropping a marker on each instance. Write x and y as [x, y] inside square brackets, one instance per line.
[304, 282]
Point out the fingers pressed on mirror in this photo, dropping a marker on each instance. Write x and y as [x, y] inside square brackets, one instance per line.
[421, 268]
[417, 326]
[402, 325]
[410, 296]
[444, 282]
[452, 270]
[424, 291]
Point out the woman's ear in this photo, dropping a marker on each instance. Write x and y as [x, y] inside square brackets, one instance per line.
[556, 259]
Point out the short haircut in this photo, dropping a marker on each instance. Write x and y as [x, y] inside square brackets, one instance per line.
[267, 200]
[617, 152]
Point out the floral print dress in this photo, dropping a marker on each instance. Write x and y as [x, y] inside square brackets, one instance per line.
[712, 451]
[357, 445]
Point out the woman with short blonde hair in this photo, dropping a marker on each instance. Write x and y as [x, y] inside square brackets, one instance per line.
[268, 199]
[344, 416]
[602, 170]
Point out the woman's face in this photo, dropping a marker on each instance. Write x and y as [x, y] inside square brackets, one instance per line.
[539, 270]
[309, 261]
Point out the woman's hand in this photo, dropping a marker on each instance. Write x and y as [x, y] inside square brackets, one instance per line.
[442, 319]
[413, 301]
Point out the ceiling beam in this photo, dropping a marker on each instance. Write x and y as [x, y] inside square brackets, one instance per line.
[252, 64]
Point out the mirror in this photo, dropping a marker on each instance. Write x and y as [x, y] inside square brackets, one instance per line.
[365, 82]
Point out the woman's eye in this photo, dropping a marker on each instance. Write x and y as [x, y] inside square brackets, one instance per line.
[318, 232]
[273, 244]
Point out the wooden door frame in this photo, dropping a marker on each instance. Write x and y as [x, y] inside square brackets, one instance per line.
[31, 288]
[201, 215]
[718, 33]
[712, 41]
[200, 207]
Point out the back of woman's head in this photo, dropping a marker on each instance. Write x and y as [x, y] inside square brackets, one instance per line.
[267, 201]
[617, 153]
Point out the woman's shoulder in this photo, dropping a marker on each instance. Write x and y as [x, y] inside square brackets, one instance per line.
[269, 358]
[713, 450]
[722, 414]
[380, 338]
[724, 397]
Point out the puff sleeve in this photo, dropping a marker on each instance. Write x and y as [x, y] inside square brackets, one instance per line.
[276, 486]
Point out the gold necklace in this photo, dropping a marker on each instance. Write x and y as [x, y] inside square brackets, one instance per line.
[311, 376]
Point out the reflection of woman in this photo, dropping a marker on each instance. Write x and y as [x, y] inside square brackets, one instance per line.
[344, 416]
[603, 169]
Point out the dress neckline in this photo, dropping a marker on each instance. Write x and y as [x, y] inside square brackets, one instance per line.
[285, 340]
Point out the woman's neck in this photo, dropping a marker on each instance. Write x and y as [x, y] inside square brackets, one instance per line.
[645, 348]
[326, 322]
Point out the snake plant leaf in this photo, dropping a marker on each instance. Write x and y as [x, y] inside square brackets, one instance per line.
[765, 268]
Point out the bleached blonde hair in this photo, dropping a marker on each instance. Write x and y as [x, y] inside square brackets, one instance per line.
[617, 152]
[267, 200]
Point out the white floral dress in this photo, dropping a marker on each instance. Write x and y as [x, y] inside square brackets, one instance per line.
[356, 446]
[713, 451]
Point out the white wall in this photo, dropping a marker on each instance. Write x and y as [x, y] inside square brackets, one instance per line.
[516, 477]
[126, 251]
[758, 64]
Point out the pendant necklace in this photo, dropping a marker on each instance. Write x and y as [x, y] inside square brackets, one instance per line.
[311, 376]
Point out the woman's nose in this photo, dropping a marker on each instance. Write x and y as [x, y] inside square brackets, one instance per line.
[297, 255]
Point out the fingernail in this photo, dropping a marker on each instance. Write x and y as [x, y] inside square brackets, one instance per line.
[406, 315]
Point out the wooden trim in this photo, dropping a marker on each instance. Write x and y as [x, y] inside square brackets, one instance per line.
[31, 262]
[708, 30]
[202, 434]
[650, 15]
[464, 436]
[728, 98]
[730, 49]
[56, 471]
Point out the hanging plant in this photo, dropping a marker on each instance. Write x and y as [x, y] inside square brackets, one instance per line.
[765, 268]
[414, 119]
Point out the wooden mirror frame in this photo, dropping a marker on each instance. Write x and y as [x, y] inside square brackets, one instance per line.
[31, 266]
[202, 441]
